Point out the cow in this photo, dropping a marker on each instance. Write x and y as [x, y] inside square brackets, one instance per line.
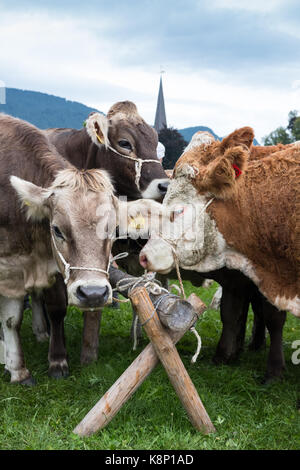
[235, 232]
[48, 221]
[124, 145]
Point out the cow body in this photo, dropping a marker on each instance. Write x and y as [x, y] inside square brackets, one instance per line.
[48, 223]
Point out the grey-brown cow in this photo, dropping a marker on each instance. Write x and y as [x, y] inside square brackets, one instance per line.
[48, 223]
[123, 144]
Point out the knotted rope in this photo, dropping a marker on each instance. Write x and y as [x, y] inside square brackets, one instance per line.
[154, 287]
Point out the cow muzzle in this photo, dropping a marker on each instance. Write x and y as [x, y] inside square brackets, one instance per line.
[156, 189]
[90, 295]
[157, 256]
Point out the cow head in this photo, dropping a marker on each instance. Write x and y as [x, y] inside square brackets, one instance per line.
[206, 171]
[215, 168]
[125, 134]
[78, 204]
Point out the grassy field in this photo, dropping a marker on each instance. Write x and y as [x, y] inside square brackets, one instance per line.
[246, 414]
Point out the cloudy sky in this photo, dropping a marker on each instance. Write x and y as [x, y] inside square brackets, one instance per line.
[228, 63]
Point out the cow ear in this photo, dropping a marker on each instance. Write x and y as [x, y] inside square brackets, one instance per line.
[32, 197]
[224, 173]
[97, 128]
[243, 136]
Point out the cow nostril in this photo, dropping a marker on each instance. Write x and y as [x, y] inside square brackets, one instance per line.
[163, 187]
[92, 296]
[144, 261]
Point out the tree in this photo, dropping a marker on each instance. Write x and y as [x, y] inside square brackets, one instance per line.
[296, 129]
[292, 117]
[174, 144]
[280, 135]
[285, 135]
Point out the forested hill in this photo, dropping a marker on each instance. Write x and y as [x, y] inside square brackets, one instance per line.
[44, 110]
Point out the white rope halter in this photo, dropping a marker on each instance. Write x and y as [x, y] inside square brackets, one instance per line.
[138, 162]
[69, 268]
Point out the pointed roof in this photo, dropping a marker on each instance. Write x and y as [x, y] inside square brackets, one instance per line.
[160, 116]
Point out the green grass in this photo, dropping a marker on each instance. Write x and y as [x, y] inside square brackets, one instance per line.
[246, 414]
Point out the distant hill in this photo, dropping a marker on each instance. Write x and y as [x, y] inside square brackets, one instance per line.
[188, 133]
[44, 110]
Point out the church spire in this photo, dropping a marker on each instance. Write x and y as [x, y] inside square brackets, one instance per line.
[160, 116]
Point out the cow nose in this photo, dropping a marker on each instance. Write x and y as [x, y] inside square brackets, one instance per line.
[163, 187]
[144, 261]
[92, 296]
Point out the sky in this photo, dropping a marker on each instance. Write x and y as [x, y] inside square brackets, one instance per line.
[228, 63]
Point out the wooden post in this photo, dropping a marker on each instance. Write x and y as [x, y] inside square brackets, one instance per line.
[171, 361]
[120, 392]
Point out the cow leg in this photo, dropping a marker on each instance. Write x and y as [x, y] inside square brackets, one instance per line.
[274, 320]
[90, 337]
[39, 322]
[56, 304]
[11, 315]
[258, 339]
[234, 311]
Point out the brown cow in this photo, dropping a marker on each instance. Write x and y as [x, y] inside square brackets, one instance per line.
[238, 292]
[230, 193]
[49, 215]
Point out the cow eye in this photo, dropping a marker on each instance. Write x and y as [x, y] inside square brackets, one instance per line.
[176, 213]
[57, 232]
[125, 144]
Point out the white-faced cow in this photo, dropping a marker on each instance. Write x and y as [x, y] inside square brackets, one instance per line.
[48, 223]
[238, 290]
[247, 217]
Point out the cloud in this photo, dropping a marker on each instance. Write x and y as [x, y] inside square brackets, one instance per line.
[258, 6]
[228, 63]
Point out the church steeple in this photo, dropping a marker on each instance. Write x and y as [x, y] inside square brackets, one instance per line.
[160, 116]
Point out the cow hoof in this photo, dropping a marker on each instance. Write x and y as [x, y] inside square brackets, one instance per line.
[29, 382]
[59, 370]
[219, 359]
[88, 357]
[270, 379]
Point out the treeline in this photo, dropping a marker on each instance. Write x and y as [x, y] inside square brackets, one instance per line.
[285, 135]
[174, 144]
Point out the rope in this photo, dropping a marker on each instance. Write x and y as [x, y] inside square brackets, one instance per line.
[173, 245]
[69, 268]
[199, 344]
[138, 165]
